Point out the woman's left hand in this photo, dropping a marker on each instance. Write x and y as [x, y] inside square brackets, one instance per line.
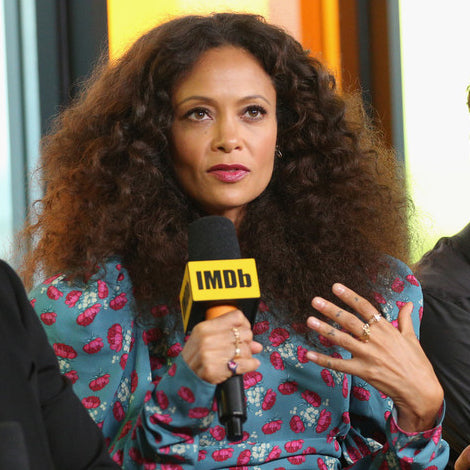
[389, 359]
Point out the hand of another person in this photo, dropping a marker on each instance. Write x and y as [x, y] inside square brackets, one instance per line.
[214, 343]
[463, 461]
[389, 359]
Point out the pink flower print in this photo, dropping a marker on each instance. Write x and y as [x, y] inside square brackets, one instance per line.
[269, 400]
[262, 307]
[118, 411]
[103, 290]
[87, 317]
[123, 361]
[172, 370]
[218, 433]
[148, 396]
[420, 313]
[272, 426]
[119, 301]
[294, 446]
[260, 327]
[120, 277]
[278, 336]
[288, 388]
[158, 418]
[321, 464]
[325, 341]
[353, 453]
[345, 386]
[115, 337]
[296, 459]
[324, 421]
[186, 394]
[33, 302]
[379, 298]
[250, 379]
[198, 412]
[118, 457]
[94, 346]
[99, 383]
[202, 455]
[135, 455]
[361, 445]
[52, 278]
[244, 457]
[125, 429]
[134, 381]
[48, 318]
[91, 402]
[398, 285]
[332, 434]
[72, 375]
[302, 354]
[400, 304]
[152, 335]
[274, 454]
[222, 454]
[276, 361]
[311, 397]
[174, 350]
[412, 280]
[159, 311]
[345, 417]
[162, 399]
[327, 377]
[64, 350]
[296, 424]
[72, 298]
[54, 293]
[360, 393]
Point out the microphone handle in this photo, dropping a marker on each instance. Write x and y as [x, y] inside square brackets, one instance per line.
[230, 394]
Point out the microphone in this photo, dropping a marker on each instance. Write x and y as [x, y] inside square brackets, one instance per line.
[216, 281]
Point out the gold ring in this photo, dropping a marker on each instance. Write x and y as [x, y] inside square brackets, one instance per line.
[236, 333]
[236, 354]
[365, 333]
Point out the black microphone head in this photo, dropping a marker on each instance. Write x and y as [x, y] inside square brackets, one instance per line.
[212, 237]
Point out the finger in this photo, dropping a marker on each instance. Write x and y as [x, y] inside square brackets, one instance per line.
[405, 322]
[341, 365]
[347, 320]
[334, 335]
[355, 301]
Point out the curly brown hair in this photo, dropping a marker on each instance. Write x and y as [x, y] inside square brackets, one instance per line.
[334, 205]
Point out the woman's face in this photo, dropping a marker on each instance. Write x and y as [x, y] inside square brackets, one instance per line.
[224, 131]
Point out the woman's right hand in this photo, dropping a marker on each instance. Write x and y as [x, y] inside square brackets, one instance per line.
[213, 343]
[463, 462]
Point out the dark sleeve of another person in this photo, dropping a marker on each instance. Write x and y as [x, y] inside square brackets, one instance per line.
[445, 337]
[43, 425]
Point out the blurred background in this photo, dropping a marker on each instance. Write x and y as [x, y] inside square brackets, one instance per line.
[408, 59]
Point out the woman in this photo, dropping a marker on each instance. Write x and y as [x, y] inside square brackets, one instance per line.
[227, 115]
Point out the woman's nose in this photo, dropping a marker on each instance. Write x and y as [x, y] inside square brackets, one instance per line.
[226, 135]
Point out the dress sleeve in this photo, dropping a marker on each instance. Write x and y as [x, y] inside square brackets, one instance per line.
[90, 327]
[375, 439]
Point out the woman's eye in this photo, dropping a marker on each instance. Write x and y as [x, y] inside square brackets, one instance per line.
[255, 112]
[198, 114]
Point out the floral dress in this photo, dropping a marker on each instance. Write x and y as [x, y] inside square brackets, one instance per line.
[155, 412]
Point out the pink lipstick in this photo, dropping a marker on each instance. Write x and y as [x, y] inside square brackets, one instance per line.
[229, 173]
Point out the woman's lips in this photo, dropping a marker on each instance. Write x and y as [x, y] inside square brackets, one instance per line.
[229, 173]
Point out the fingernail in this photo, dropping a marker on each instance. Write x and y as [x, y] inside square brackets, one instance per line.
[313, 322]
[311, 356]
[339, 288]
[318, 302]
